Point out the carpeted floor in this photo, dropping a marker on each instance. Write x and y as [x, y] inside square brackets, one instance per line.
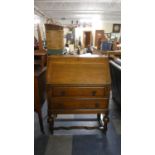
[79, 142]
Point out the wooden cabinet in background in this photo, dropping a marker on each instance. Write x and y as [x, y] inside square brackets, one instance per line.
[40, 59]
[54, 38]
[39, 93]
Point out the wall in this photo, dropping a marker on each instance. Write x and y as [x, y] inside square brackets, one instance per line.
[97, 24]
[107, 27]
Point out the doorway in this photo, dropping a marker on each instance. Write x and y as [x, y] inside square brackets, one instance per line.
[87, 38]
[99, 35]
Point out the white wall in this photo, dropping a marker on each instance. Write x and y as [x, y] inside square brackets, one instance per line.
[107, 27]
[96, 25]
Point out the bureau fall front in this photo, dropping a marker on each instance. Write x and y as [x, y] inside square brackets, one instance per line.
[78, 85]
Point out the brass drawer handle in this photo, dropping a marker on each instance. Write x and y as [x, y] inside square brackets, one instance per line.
[62, 93]
[93, 93]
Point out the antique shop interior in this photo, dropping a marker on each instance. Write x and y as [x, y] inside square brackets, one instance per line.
[77, 77]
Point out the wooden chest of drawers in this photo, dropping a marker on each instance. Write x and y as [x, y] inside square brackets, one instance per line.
[78, 85]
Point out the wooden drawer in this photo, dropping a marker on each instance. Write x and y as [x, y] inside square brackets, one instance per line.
[81, 91]
[78, 103]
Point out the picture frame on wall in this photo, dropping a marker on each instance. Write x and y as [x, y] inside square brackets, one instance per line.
[116, 28]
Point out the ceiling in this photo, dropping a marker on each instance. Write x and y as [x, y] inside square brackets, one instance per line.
[107, 10]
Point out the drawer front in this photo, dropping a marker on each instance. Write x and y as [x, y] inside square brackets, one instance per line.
[78, 103]
[81, 91]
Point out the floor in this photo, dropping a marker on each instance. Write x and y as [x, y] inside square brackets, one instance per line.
[79, 142]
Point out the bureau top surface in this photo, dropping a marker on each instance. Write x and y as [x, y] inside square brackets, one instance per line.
[91, 70]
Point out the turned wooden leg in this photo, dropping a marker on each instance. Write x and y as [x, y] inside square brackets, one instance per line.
[101, 123]
[99, 117]
[105, 120]
[41, 122]
[51, 122]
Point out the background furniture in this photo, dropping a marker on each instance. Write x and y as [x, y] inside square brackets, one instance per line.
[54, 39]
[115, 69]
[78, 85]
[40, 59]
[39, 93]
[114, 54]
[106, 46]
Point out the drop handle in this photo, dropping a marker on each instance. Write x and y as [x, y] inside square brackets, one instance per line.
[93, 93]
[62, 93]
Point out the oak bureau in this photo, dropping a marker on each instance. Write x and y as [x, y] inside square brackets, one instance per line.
[78, 85]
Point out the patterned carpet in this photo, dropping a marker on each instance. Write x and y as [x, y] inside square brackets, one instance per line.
[79, 142]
